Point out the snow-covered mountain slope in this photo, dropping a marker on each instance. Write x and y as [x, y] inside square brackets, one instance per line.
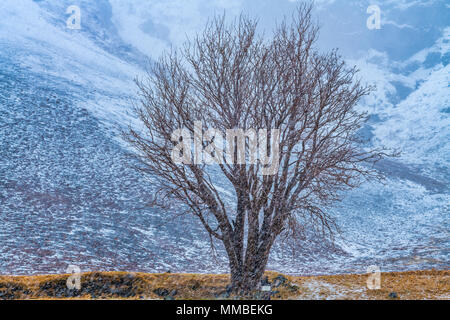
[67, 195]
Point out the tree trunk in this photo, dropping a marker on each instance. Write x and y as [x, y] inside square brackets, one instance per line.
[247, 265]
[246, 279]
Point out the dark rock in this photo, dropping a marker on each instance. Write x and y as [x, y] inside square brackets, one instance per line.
[279, 281]
[223, 295]
[11, 291]
[94, 285]
[162, 292]
[293, 288]
[393, 295]
[265, 281]
[261, 295]
[73, 293]
[266, 296]
[173, 293]
[195, 285]
[130, 276]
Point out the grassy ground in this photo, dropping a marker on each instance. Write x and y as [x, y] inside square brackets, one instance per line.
[121, 285]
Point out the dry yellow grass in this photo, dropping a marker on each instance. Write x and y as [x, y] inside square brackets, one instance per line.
[409, 285]
[121, 285]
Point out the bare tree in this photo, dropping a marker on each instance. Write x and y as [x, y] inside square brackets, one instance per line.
[231, 77]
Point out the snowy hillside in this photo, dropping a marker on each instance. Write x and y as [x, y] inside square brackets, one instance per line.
[67, 195]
